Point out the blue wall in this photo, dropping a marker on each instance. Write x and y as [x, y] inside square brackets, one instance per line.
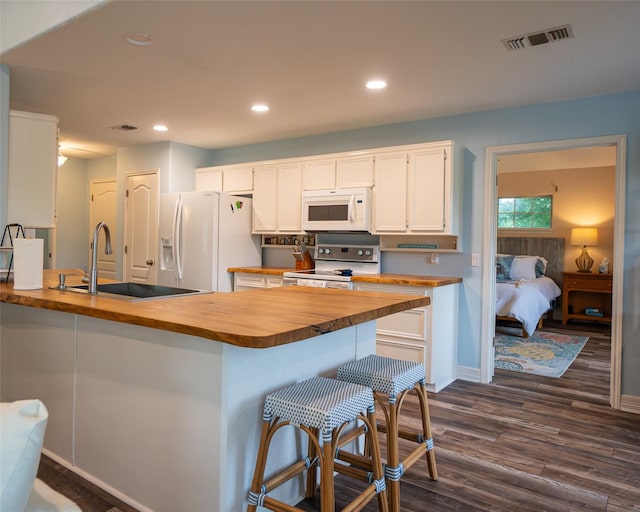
[591, 117]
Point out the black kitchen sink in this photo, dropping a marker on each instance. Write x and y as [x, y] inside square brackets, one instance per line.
[135, 292]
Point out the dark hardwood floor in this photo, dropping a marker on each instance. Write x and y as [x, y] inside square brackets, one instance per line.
[522, 443]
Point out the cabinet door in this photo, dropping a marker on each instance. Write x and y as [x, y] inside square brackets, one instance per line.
[319, 174]
[356, 171]
[209, 178]
[32, 171]
[265, 189]
[390, 193]
[238, 179]
[427, 190]
[289, 198]
[247, 281]
[274, 282]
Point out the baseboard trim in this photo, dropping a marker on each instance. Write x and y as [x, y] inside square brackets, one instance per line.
[629, 403]
[467, 373]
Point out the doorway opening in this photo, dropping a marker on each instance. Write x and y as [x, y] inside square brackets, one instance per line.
[493, 155]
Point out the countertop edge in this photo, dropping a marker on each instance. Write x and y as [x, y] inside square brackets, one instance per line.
[164, 315]
[398, 279]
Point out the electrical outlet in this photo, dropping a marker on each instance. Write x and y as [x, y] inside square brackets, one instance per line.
[475, 259]
[435, 258]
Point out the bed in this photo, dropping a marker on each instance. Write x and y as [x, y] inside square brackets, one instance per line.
[528, 273]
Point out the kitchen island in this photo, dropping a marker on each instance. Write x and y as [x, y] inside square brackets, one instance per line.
[159, 402]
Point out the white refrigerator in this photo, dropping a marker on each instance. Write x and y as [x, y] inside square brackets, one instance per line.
[201, 235]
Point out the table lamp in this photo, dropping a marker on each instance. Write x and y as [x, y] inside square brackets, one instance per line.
[584, 237]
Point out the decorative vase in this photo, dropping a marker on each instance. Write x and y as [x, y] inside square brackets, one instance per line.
[584, 262]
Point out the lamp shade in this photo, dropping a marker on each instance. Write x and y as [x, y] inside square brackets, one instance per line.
[584, 236]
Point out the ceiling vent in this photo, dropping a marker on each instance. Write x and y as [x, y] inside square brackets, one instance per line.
[123, 127]
[549, 35]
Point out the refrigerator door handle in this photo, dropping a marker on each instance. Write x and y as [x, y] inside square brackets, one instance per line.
[177, 238]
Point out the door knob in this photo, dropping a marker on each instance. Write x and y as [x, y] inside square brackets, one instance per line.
[150, 262]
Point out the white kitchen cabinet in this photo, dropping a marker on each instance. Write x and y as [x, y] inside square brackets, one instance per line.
[341, 172]
[419, 190]
[355, 171]
[319, 174]
[233, 179]
[249, 281]
[426, 335]
[32, 171]
[238, 179]
[390, 193]
[277, 198]
[209, 178]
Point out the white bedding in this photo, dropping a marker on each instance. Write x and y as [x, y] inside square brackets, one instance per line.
[526, 301]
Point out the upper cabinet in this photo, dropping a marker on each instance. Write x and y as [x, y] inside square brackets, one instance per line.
[33, 167]
[319, 174]
[209, 178]
[277, 198]
[235, 179]
[341, 172]
[419, 190]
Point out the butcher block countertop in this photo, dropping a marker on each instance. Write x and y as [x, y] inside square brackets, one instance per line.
[272, 271]
[403, 279]
[257, 318]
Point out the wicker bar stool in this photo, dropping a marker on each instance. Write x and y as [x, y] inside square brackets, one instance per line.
[395, 378]
[322, 408]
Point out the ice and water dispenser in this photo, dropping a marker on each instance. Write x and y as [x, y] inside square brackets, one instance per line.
[166, 253]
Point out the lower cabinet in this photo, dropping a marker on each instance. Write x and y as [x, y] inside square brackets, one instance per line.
[427, 335]
[248, 281]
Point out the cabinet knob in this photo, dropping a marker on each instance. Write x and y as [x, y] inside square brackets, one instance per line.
[150, 263]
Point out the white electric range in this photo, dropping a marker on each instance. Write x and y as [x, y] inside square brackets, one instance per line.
[335, 265]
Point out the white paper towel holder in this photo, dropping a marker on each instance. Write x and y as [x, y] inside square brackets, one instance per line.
[28, 258]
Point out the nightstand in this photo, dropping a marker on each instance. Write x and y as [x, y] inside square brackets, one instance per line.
[583, 292]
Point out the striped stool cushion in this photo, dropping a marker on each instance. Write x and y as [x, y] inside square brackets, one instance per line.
[319, 403]
[383, 374]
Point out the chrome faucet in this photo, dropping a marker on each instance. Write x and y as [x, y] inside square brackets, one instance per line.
[93, 273]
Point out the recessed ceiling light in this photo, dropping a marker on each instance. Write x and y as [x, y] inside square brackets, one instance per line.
[139, 39]
[376, 84]
[160, 128]
[260, 108]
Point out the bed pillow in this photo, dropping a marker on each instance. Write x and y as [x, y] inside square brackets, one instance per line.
[22, 426]
[523, 267]
[541, 266]
[503, 266]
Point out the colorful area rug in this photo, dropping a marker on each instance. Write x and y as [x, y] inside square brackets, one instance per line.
[546, 353]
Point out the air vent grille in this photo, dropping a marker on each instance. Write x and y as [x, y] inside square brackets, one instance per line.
[123, 127]
[549, 35]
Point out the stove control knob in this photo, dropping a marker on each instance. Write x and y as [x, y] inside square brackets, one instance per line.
[320, 250]
[327, 251]
[360, 252]
[367, 252]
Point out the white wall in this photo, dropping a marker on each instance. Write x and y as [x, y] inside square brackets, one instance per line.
[73, 215]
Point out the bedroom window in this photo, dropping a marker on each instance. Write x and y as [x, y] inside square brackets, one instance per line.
[524, 212]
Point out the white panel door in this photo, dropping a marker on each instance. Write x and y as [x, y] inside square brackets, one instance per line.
[103, 209]
[141, 240]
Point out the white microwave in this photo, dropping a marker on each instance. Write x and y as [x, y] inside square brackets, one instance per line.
[339, 210]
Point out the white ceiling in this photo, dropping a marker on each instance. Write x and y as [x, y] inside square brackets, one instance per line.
[309, 61]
